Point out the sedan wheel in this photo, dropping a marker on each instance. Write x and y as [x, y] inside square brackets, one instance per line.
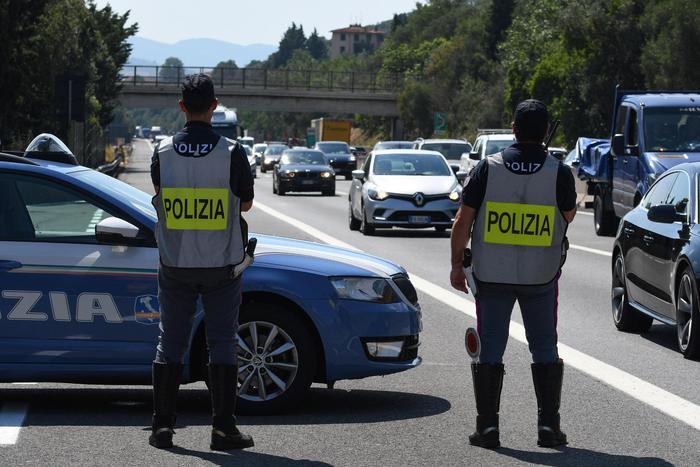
[353, 223]
[625, 317]
[686, 314]
[276, 359]
[365, 227]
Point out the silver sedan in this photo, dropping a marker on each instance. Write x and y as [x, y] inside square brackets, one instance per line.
[404, 188]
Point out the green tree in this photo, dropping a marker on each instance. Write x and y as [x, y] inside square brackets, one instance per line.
[317, 46]
[416, 109]
[225, 72]
[292, 40]
[671, 57]
[170, 71]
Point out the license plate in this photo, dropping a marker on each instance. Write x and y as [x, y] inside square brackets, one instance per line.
[307, 182]
[419, 219]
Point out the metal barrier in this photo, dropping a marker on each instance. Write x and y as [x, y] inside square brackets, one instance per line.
[265, 78]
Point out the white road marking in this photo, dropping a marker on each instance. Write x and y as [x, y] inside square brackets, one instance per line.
[591, 250]
[341, 193]
[11, 419]
[584, 213]
[25, 384]
[643, 391]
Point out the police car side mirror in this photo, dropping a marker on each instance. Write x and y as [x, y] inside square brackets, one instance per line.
[115, 231]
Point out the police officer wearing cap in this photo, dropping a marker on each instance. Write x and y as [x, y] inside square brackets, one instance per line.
[516, 206]
[203, 184]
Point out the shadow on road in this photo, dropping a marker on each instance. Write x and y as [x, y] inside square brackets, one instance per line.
[663, 335]
[132, 407]
[411, 233]
[570, 456]
[244, 458]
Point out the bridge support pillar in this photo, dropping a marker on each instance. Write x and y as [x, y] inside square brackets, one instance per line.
[396, 128]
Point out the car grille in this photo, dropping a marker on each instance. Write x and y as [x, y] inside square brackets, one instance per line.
[425, 197]
[307, 174]
[435, 216]
[404, 284]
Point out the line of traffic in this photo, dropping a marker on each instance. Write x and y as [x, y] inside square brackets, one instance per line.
[633, 386]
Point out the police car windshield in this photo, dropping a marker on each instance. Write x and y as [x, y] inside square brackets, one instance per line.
[303, 158]
[332, 148]
[134, 197]
[670, 129]
[275, 149]
[451, 151]
[411, 164]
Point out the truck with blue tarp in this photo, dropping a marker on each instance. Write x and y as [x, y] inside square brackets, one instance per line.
[652, 131]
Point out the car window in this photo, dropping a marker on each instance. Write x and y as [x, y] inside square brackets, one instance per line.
[660, 191]
[303, 158]
[367, 164]
[275, 150]
[680, 194]
[410, 164]
[36, 210]
[632, 129]
[451, 151]
[477, 146]
[494, 147]
[334, 147]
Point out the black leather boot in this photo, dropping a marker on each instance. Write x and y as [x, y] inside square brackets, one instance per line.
[166, 382]
[548, 378]
[223, 384]
[488, 382]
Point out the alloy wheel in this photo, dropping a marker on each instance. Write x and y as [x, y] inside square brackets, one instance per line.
[684, 314]
[268, 361]
[618, 289]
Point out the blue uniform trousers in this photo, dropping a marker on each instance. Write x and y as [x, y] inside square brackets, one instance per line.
[178, 292]
[538, 305]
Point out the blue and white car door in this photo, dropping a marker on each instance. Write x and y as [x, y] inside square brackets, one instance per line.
[65, 298]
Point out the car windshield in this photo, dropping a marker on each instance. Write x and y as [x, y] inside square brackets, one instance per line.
[410, 164]
[248, 150]
[275, 150]
[259, 147]
[672, 129]
[451, 151]
[303, 158]
[494, 147]
[393, 145]
[329, 148]
[134, 197]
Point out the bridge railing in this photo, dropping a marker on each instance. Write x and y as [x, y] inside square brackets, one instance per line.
[264, 78]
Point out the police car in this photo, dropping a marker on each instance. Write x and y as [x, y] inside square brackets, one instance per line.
[78, 294]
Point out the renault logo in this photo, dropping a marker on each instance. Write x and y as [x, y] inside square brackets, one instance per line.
[419, 199]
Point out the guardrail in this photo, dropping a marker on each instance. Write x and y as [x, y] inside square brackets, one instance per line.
[265, 78]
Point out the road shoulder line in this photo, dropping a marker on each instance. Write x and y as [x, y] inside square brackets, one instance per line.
[11, 419]
[643, 391]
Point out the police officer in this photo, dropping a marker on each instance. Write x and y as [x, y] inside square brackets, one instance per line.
[202, 183]
[516, 206]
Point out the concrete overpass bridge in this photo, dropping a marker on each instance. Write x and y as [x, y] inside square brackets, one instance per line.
[260, 89]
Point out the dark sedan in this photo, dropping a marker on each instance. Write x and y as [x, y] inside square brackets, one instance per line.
[656, 260]
[271, 156]
[339, 157]
[303, 170]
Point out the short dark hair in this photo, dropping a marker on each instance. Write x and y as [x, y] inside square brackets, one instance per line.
[531, 119]
[197, 92]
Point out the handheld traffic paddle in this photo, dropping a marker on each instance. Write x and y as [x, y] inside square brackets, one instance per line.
[472, 344]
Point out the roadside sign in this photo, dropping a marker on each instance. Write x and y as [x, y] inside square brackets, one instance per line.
[440, 123]
[310, 137]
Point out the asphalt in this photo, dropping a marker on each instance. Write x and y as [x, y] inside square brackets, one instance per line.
[419, 417]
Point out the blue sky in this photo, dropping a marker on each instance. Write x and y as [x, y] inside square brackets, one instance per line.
[250, 22]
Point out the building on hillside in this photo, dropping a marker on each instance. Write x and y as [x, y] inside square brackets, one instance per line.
[355, 39]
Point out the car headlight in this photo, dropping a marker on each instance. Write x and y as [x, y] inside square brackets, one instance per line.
[378, 195]
[325, 174]
[352, 158]
[290, 174]
[454, 196]
[367, 289]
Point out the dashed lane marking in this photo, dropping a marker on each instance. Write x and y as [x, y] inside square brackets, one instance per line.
[643, 391]
[591, 250]
[11, 418]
